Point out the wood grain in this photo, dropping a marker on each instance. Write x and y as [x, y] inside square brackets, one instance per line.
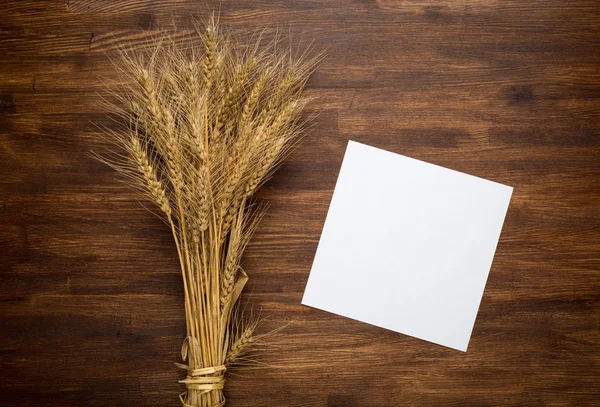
[90, 298]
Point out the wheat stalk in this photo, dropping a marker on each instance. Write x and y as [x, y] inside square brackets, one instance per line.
[204, 129]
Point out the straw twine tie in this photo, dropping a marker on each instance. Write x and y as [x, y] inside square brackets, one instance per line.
[205, 379]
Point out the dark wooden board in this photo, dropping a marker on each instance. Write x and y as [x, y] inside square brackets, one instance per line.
[91, 309]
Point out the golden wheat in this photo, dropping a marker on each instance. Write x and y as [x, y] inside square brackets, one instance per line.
[240, 346]
[204, 129]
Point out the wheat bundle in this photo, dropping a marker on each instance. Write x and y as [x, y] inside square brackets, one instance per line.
[205, 128]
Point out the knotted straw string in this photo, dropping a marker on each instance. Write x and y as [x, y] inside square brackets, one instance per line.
[199, 379]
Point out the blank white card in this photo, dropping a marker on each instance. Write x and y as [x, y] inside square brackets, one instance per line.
[407, 246]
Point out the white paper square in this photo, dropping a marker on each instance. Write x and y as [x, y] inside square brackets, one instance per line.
[407, 245]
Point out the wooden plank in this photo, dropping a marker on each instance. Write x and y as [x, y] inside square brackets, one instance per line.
[90, 294]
